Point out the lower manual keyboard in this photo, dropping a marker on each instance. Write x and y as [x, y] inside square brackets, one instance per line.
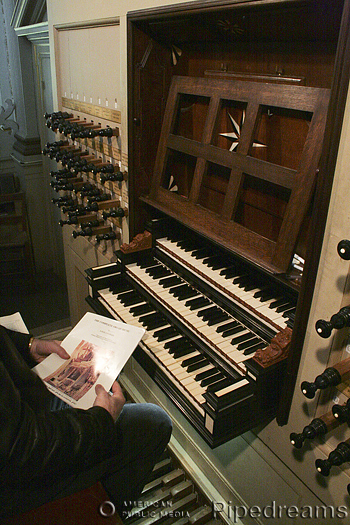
[227, 336]
[185, 364]
[189, 345]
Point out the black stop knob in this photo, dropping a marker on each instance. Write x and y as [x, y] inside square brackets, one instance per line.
[330, 377]
[342, 412]
[337, 457]
[343, 249]
[317, 427]
[339, 320]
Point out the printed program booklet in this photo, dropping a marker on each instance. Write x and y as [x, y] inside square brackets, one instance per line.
[98, 347]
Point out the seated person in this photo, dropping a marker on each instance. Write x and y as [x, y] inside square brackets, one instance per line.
[46, 455]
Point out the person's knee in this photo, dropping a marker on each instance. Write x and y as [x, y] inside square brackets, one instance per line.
[158, 421]
[146, 419]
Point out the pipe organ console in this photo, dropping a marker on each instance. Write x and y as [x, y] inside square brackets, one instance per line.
[212, 233]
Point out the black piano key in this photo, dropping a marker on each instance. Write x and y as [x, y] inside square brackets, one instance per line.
[278, 302]
[185, 244]
[207, 373]
[219, 318]
[147, 261]
[157, 323]
[241, 338]
[232, 331]
[198, 302]
[158, 272]
[254, 348]
[266, 294]
[208, 315]
[176, 343]
[207, 311]
[229, 272]
[184, 351]
[120, 285]
[176, 290]
[249, 342]
[250, 286]
[220, 384]
[210, 380]
[190, 292]
[290, 314]
[152, 321]
[193, 360]
[227, 326]
[130, 298]
[198, 365]
[185, 345]
[153, 267]
[166, 333]
[287, 308]
[215, 262]
[148, 317]
[219, 265]
[201, 253]
[170, 281]
[141, 309]
[284, 307]
[241, 279]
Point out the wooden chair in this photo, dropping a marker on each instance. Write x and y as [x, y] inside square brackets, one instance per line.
[81, 508]
[16, 252]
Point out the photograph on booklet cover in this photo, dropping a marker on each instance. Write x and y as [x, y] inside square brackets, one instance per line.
[99, 348]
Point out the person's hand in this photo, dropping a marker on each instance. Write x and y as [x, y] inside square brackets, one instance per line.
[41, 348]
[113, 403]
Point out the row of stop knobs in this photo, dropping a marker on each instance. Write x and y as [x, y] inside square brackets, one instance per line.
[330, 377]
[76, 162]
[69, 125]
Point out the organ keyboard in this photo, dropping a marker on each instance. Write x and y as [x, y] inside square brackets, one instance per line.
[200, 338]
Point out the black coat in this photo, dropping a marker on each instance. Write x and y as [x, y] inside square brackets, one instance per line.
[37, 445]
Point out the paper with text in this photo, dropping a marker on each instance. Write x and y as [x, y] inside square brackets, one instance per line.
[14, 322]
[99, 348]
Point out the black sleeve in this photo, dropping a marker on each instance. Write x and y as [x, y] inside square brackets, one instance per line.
[21, 342]
[38, 443]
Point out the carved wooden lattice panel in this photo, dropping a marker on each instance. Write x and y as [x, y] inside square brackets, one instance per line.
[237, 162]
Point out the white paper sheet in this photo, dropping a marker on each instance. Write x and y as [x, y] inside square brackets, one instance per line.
[99, 348]
[14, 322]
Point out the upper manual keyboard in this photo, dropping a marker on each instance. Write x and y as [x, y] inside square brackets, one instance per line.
[233, 280]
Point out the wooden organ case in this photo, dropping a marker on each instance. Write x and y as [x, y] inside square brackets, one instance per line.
[237, 316]
[234, 118]
[225, 181]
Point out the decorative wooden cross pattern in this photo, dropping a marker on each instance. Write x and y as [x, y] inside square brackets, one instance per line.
[298, 182]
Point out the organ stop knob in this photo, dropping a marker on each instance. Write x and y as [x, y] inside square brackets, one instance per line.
[342, 412]
[339, 320]
[331, 376]
[343, 249]
[337, 457]
[318, 427]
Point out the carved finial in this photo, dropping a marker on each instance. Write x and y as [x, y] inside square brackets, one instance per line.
[277, 349]
[142, 241]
